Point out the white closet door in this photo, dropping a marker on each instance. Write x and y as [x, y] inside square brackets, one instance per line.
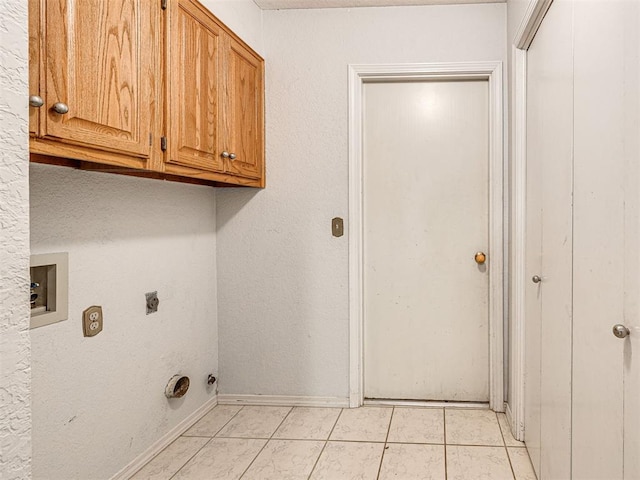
[606, 157]
[549, 214]
[631, 155]
[583, 383]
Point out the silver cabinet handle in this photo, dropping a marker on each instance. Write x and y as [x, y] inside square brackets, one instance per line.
[536, 279]
[621, 331]
[36, 101]
[225, 154]
[232, 156]
[60, 108]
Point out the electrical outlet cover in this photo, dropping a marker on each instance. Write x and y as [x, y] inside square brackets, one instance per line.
[152, 302]
[92, 321]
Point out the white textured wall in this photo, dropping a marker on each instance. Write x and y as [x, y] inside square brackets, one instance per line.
[282, 277]
[15, 362]
[99, 402]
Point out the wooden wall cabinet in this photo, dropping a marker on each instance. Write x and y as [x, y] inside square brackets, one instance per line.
[148, 88]
[244, 105]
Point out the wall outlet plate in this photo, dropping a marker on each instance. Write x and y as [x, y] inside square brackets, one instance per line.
[92, 321]
[152, 302]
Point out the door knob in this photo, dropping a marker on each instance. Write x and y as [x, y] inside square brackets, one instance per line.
[480, 258]
[36, 101]
[536, 279]
[60, 108]
[225, 154]
[621, 331]
[232, 156]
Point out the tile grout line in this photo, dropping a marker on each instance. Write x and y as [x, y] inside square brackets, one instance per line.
[465, 445]
[509, 434]
[325, 443]
[506, 450]
[227, 422]
[267, 442]
[205, 443]
[386, 440]
[191, 457]
[444, 431]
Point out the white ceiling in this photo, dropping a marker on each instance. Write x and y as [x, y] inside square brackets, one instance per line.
[279, 4]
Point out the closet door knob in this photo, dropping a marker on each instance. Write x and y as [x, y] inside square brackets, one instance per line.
[232, 156]
[621, 331]
[36, 101]
[225, 154]
[536, 279]
[60, 108]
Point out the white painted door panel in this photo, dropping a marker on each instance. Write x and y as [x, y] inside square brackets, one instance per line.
[533, 304]
[605, 92]
[582, 392]
[631, 316]
[550, 145]
[425, 215]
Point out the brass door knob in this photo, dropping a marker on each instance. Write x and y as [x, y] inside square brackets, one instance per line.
[480, 258]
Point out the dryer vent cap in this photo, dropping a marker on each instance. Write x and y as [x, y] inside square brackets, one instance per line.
[177, 387]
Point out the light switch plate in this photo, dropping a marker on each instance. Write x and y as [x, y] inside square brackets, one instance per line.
[337, 227]
[92, 321]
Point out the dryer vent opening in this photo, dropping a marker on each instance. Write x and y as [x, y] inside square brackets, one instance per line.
[177, 387]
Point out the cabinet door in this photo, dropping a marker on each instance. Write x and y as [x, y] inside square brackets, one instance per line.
[97, 63]
[193, 70]
[244, 115]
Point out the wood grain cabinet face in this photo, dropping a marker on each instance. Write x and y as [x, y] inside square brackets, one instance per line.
[244, 111]
[150, 91]
[194, 92]
[96, 58]
[34, 64]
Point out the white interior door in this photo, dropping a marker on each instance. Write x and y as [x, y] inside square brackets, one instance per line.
[425, 211]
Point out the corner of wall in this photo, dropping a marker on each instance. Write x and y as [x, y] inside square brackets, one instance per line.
[15, 346]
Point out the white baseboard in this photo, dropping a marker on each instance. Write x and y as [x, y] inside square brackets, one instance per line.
[507, 412]
[283, 400]
[518, 435]
[428, 404]
[146, 456]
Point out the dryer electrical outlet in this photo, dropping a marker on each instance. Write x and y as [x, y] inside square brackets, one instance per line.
[92, 321]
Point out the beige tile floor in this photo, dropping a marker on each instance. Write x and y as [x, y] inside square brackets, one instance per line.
[284, 443]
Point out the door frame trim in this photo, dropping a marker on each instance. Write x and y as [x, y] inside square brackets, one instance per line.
[529, 26]
[360, 74]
